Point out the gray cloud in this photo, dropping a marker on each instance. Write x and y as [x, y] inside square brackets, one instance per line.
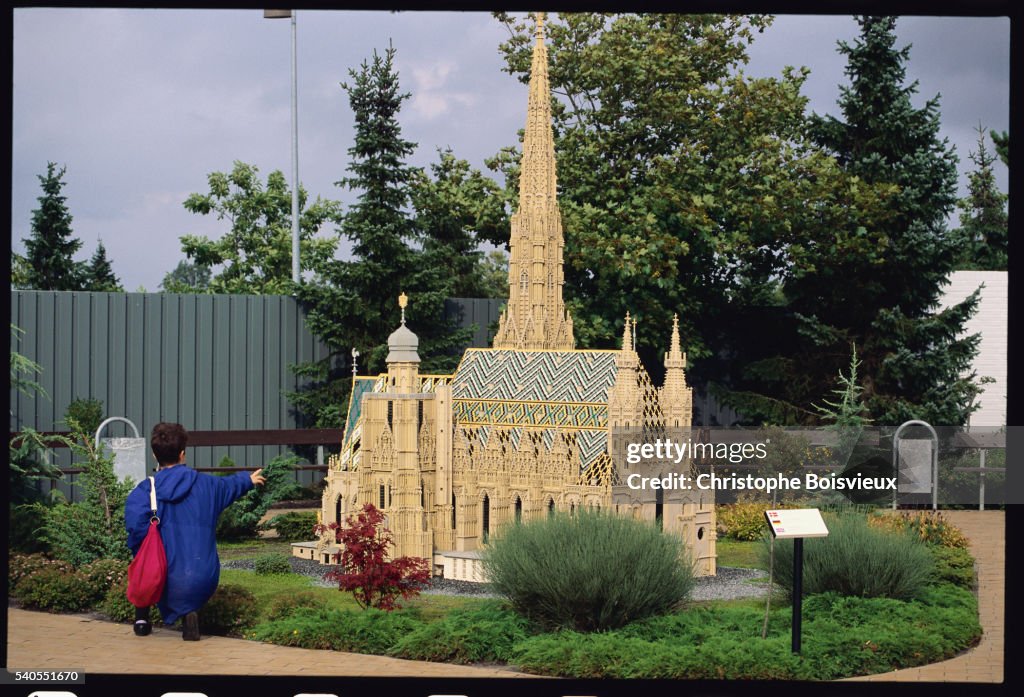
[142, 104]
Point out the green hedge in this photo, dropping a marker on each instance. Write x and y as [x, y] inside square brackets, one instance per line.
[270, 564]
[292, 526]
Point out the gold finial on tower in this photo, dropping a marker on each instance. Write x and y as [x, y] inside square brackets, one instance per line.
[539, 30]
[403, 300]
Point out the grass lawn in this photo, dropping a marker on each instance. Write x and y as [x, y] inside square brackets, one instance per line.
[268, 588]
[250, 549]
[738, 554]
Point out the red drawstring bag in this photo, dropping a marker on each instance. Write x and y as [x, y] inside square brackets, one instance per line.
[147, 573]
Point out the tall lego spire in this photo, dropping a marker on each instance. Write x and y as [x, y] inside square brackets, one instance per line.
[675, 396]
[535, 317]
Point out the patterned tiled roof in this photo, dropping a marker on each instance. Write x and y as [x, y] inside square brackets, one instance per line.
[537, 389]
[576, 377]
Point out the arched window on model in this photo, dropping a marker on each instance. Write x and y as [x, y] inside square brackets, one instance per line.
[486, 519]
[423, 492]
[337, 509]
[453, 510]
[519, 509]
[381, 501]
[551, 507]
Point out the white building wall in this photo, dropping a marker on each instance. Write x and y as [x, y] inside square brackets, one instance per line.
[990, 321]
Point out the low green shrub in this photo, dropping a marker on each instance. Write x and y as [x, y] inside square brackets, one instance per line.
[362, 631]
[103, 574]
[55, 590]
[284, 605]
[230, 610]
[591, 571]
[842, 637]
[292, 526]
[116, 606]
[486, 633]
[856, 559]
[928, 526]
[742, 521]
[21, 565]
[273, 563]
[953, 565]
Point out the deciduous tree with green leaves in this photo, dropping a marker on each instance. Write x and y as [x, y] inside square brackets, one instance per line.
[187, 277]
[255, 255]
[685, 185]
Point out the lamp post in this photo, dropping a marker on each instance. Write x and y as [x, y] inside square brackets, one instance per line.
[284, 14]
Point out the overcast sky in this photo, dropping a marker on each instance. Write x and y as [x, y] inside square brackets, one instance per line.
[141, 105]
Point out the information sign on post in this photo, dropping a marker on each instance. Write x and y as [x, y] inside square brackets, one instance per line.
[796, 524]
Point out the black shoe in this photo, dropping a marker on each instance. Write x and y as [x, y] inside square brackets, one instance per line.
[190, 624]
[142, 625]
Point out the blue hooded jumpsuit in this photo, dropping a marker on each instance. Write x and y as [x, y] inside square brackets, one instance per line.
[188, 504]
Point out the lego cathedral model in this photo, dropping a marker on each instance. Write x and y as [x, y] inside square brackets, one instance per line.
[520, 430]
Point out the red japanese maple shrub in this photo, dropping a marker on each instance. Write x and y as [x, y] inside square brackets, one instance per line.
[365, 569]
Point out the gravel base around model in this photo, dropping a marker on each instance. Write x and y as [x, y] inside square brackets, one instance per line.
[729, 584]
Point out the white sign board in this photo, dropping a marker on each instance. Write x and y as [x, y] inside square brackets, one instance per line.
[915, 466]
[129, 457]
[796, 522]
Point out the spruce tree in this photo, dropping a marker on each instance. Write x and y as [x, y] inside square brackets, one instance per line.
[50, 248]
[99, 274]
[354, 303]
[983, 221]
[884, 299]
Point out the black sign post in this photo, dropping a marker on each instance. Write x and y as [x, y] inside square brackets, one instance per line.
[796, 524]
[798, 589]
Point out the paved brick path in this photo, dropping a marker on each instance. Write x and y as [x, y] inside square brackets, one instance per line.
[42, 641]
[986, 531]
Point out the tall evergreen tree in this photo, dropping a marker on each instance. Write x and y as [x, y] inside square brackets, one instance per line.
[50, 248]
[983, 221]
[915, 361]
[354, 304]
[99, 274]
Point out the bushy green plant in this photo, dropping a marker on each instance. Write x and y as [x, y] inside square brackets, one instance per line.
[26, 526]
[117, 607]
[55, 590]
[284, 605]
[230, 610]
[21, 565]
[87, 413]
[94, 528]
[742, 520]
[590, 571]
[362, 631]
[292, 526]
[274, 563]
[953, 565]
[103, 574]
[485, 633]
[241, 519]
[856, 559]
